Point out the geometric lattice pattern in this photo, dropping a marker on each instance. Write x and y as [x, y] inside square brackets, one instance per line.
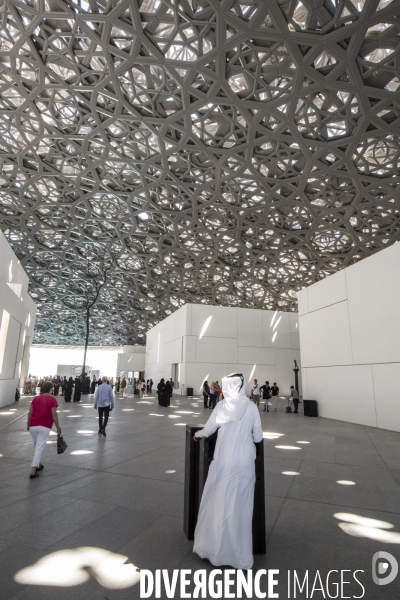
[226, 152]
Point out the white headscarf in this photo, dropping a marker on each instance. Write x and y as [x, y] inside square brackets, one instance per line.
[235, 400]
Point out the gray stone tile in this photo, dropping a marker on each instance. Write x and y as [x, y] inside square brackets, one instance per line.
[171, 547]
[47, 530]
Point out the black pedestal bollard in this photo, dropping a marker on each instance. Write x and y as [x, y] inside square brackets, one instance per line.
[197, 463]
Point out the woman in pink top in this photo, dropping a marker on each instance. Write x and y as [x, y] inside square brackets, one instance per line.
[42, 415]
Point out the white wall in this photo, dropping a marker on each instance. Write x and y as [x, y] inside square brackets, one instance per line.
[17, 320]
[132, 358]
[350, 342]
[208, 342]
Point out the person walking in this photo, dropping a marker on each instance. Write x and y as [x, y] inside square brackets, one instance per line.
[143, 388]
[223, 532]
[295, 398]
[123, 386]
[118, 385]
[138, 388]
[274, 393]
[42, 414]
[206, 393]
[255, 393]
[104, 402]
[266, 392]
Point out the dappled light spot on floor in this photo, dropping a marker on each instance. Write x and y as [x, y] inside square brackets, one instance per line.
[174, 417]
[346, 482]
[67, 568]
[171, 471]
[155, 415]
[127, 409]
[82, 452]
[290, 473]
[288, 447]
[272, 435]
[302, 442]
[365, 527]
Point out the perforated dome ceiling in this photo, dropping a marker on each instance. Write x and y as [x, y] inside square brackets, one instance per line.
[225, 152]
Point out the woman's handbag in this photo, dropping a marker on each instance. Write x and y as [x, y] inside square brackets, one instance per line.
[61, 444]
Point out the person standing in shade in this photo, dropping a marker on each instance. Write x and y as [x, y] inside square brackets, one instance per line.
[78, 389]
[151, 385]
[63, 385]
[213, 398]
[68, 389]
[275, 393]
[93, 384]
[104, 402]
[223, 532]
[160, 390]
[206, 393]
[123, 386]
[118, 385]
[255, 393]
[217, 391]
[57, 383]
[266, 392]
[166, 395]
[295, 398]
[42, 414]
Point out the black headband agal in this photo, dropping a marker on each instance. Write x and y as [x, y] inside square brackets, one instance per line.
[238, 375]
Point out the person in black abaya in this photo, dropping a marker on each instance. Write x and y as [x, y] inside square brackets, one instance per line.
[166, 394]
[63, 385]
[57, 383]
[160, 390]
[68, 389]
[93, 385]
[86, 384]
[78, 389]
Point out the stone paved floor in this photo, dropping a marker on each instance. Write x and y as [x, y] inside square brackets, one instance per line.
[120, 499]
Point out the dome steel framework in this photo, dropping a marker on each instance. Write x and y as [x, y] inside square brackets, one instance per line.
[217, 151]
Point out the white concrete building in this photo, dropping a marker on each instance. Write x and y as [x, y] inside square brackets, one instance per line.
[17, 321]
[350, 342]
[201, 342]
[131, 360]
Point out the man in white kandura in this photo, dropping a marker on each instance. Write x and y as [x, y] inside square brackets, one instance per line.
[224, 526]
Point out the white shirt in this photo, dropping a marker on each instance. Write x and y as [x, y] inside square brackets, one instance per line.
[256, 389]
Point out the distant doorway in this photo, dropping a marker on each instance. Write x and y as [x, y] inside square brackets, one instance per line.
[175, 372]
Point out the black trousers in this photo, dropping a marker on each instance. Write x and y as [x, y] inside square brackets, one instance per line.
[205, 397]
[103, 411]
[296, 404]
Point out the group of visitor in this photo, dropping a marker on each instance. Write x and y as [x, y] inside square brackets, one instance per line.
[165, 391]
[140, 386]
[211, 394]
